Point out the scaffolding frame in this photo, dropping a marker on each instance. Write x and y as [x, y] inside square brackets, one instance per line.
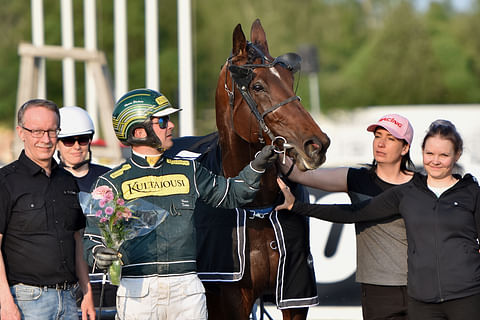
[96, 62]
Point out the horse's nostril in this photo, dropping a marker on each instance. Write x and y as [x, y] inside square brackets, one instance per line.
[312, 147]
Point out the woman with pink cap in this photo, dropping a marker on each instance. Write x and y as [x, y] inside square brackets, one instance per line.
[441, 210]
[381, 246]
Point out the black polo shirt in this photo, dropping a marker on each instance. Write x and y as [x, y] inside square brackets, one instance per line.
[38, 218]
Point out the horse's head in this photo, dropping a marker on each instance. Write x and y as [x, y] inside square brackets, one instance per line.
[256, 102]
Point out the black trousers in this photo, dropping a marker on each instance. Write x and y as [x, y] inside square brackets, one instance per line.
[384, 302]
[467, 308]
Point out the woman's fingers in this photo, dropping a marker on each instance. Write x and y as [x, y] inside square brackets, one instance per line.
[288, 195]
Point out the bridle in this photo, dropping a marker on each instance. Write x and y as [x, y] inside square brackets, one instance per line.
[242, 76]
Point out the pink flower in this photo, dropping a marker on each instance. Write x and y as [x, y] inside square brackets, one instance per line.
[103, 219]
[102, 203]
[109, 196]
[127, 214]
[109, 211]
[120, 202]
[100, 192]
[98, 213]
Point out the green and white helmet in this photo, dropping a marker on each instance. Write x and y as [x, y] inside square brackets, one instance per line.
[135, 110]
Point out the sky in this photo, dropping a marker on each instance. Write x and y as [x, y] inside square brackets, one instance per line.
[460, 5]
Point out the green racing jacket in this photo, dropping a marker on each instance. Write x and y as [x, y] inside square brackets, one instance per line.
[173, 185]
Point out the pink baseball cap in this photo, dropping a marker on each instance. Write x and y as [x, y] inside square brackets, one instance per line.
[397, 125]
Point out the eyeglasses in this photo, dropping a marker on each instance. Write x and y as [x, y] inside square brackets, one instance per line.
[37, 133]
[70, 141]
[162, 121]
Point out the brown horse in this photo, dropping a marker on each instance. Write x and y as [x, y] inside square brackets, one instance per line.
[255, 105]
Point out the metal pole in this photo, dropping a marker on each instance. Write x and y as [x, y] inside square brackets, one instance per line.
[185, 66]
[121, 53]
[90, 30]
[39, 40]
[151, 45]
[68, 63]
[314, 94]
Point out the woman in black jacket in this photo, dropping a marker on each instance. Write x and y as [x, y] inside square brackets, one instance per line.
[442, 218]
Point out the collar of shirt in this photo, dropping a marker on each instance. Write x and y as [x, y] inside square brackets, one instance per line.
[141, 160]
[33, 168]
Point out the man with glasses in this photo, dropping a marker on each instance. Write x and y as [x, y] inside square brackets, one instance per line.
[159, 279]
[42, 261]
[75, 156]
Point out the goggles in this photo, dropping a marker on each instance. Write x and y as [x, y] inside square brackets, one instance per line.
[162, 121]
[70, 141]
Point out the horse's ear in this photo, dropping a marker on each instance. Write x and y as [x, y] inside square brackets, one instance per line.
[258, 37]
[239, 42]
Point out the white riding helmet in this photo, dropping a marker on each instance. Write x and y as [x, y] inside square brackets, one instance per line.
[75, 121]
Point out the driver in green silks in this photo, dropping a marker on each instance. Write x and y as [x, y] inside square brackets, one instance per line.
[159, 279]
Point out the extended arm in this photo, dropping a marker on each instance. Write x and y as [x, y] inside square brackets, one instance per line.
[327, 179]
[83, 279]
[217, 191]
[8, 308]
[380, 207]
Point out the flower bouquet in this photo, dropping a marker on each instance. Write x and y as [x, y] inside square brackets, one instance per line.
[119, 220]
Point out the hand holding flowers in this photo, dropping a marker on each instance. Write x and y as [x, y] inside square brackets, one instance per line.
[118, 221]
[112, 216]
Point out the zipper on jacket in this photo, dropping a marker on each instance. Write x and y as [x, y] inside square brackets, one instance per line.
[437, 248]
[437, 263]
[455, 186]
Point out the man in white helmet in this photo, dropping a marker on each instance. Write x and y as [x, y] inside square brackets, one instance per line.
[74, 154]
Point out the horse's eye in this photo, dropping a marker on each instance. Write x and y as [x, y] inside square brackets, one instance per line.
[257, 87]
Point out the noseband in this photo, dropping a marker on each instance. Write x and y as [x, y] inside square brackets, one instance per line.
[243, 75]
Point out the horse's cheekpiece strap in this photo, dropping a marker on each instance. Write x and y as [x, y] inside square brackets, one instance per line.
[258, 213]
